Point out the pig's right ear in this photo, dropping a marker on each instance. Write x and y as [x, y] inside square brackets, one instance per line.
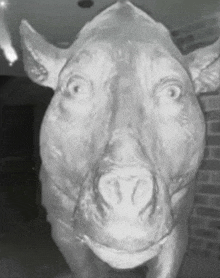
[42, 60]
[204, 66]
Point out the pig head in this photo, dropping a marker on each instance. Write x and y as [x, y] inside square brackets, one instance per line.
[121, 140]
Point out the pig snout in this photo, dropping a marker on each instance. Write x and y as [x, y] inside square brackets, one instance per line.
[128, 192]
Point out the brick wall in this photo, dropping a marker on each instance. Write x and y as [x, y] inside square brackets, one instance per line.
[204, 236]
[205, 220]
[197, 34]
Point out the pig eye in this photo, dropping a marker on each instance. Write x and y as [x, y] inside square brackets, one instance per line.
[174, 91]
[171, 90]
[78, 86]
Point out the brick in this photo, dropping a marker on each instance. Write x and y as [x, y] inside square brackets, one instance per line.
[199, 252]
[210, 165]
[210, 189]
[213, 140]
[212, 115]
[215, 177]
[214, 152]
[210, 212]
[216, 202]
[201, 199]
[211, 102]
[214, 224]
[206, 153]
[203, 101]
[215, 246]
[215, 255]
[206, 233]
[197, 221]
[214, 127]
[195, 242]
[203, 176]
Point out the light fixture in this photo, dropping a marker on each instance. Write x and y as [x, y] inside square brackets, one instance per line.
[85, 4]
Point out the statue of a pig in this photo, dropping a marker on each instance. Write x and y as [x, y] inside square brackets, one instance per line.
[121, 140]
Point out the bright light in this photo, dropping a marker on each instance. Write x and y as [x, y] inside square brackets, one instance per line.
[5, 39]
[9, 53]
[3, 4]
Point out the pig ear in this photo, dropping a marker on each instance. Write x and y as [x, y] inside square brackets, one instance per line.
[204, 66]
[42, 60]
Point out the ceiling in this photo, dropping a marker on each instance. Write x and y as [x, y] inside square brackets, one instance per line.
[60, 20]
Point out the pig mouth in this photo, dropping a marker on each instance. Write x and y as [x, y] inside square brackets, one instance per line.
[123, 259]
[124, 238]
[95, 244]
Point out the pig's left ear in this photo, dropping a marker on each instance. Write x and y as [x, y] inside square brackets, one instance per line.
[204, 66]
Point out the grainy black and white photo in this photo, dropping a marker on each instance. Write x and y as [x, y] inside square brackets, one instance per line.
[110, 139]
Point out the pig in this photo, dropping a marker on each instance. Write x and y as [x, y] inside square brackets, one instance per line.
[121, 140]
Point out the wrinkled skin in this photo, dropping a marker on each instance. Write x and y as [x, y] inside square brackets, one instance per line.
[121, 141]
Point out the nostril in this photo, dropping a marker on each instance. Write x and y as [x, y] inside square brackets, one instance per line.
[110, 191]
[143, 192]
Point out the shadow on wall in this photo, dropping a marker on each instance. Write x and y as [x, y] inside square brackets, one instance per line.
[23, 105]
[20, 94]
